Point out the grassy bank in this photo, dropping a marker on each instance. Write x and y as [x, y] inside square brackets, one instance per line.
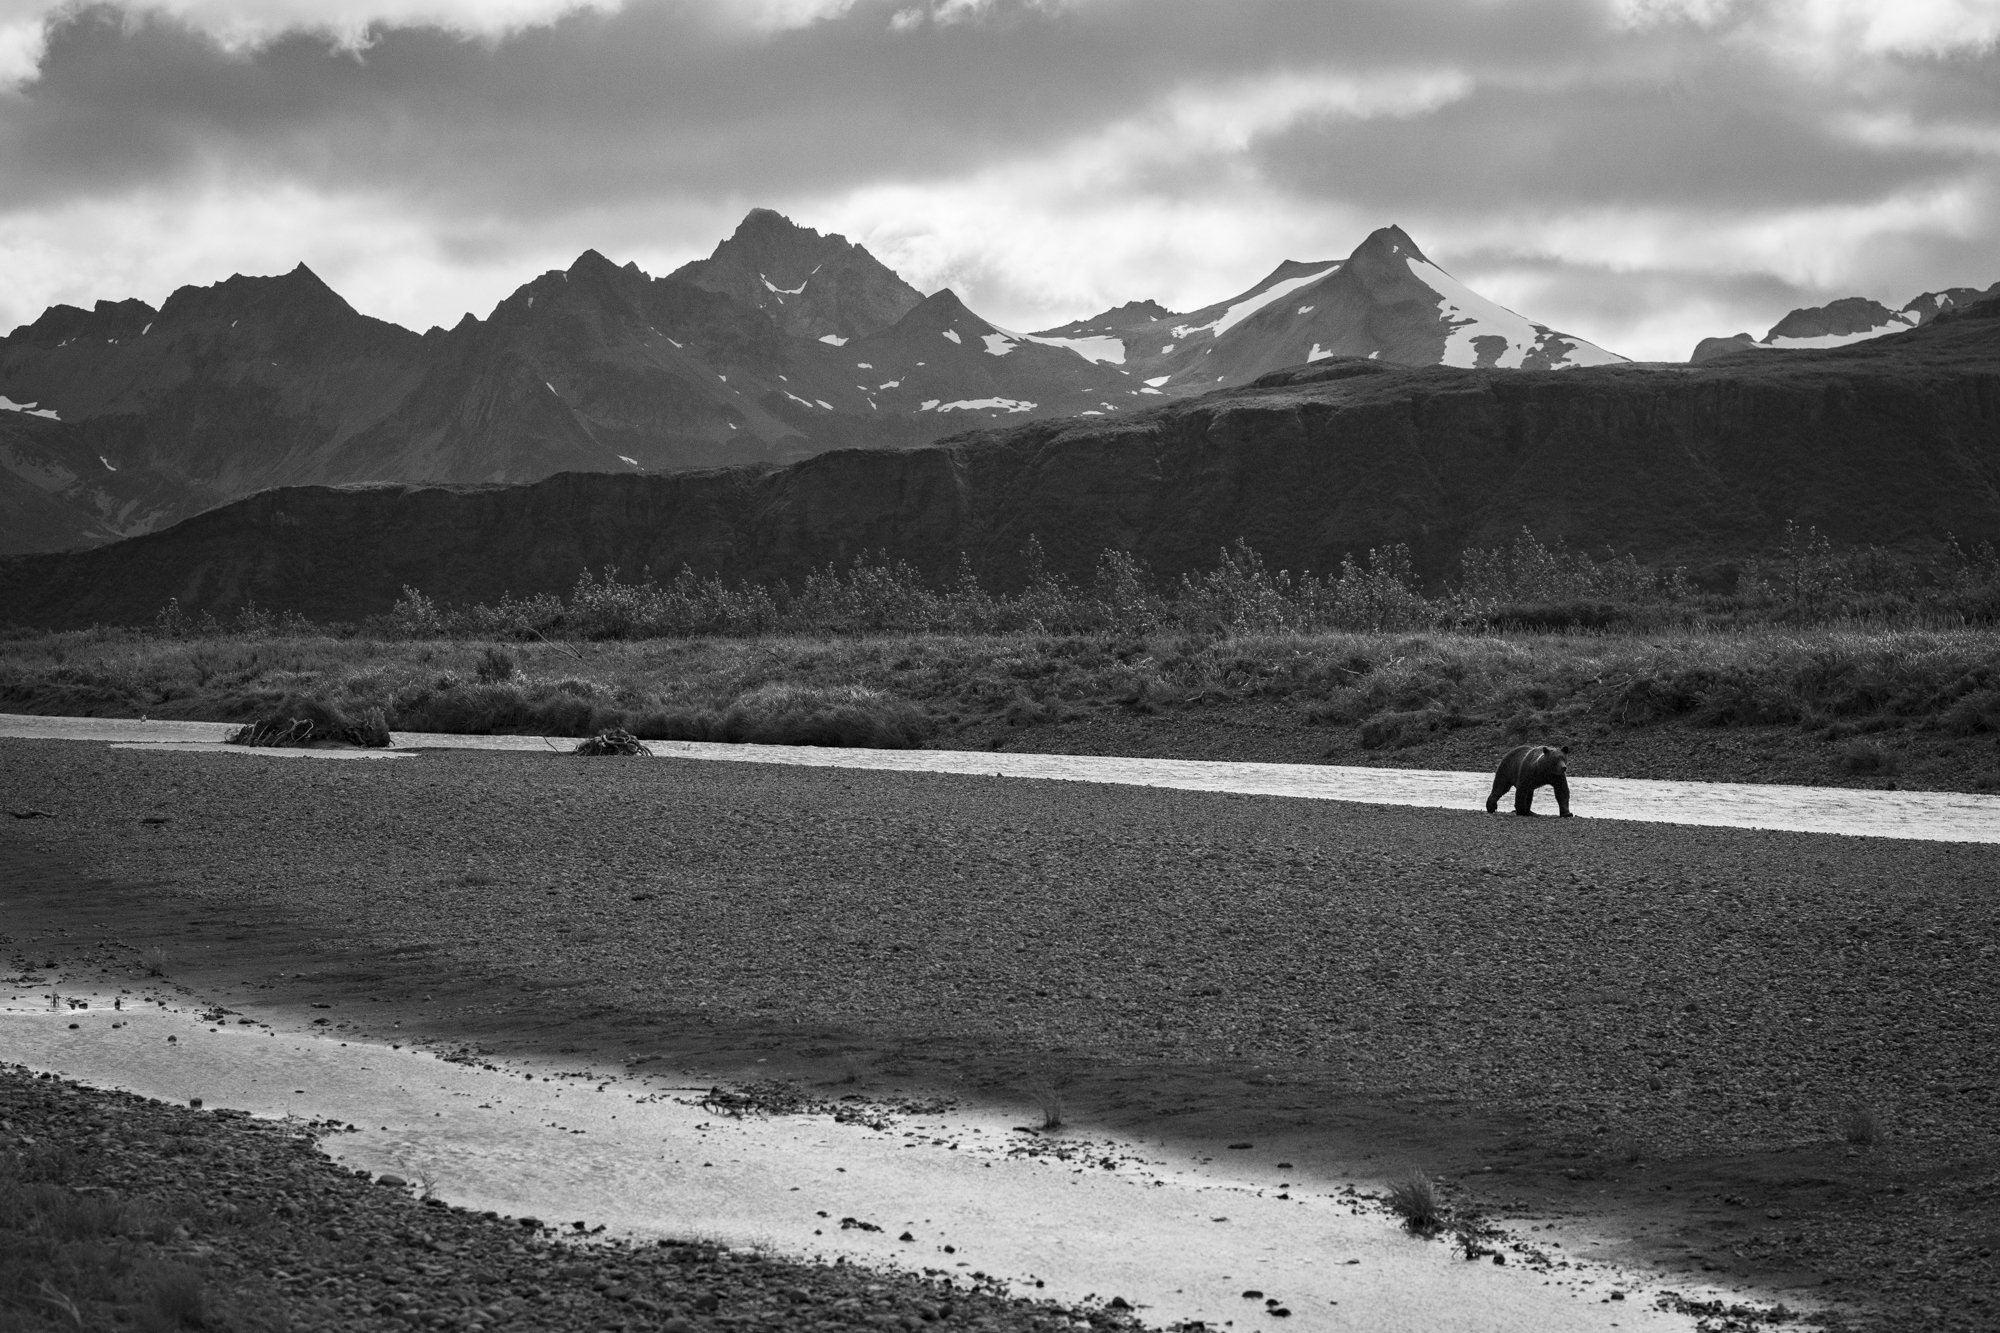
[1871, 704]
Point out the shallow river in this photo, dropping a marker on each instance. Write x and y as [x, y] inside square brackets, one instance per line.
[1063, 1217]
[1931, 816]
[1180, 1237]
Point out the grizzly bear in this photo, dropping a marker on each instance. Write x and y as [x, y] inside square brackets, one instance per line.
[1527, 767]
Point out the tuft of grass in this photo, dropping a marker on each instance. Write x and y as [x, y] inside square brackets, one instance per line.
[1415, 1199]
[1859, 1125]
[1048, 1097]
[154, 959]
[176, 1298]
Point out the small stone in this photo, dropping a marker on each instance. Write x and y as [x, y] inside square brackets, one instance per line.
[1253, 1295]
[1118, 1303]
[394, 1182]
[195, 1102]
[906, 1236]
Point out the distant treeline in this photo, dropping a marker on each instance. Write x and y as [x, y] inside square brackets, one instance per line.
[1525, 585]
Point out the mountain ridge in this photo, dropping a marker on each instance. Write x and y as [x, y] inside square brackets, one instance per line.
[782, 343]
[1893, 442]
[1846, 320]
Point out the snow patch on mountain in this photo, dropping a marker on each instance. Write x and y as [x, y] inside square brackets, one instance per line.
[1317, 353]
[9, 405]
[953, 335]
[1472, 319]
[985, 405]
[1895, 324]
[833, 340]
[784, 291]
[1250, 305]
[1105, 351]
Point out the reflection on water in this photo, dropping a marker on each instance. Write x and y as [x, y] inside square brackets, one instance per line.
[1930, 816]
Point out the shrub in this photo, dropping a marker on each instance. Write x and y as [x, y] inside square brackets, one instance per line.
[851, 716]
[1976, 713]
[496, 665]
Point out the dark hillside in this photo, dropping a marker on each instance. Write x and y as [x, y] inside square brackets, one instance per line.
[1895, 442]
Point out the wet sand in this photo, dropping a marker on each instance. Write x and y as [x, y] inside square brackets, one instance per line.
[1653, 1031]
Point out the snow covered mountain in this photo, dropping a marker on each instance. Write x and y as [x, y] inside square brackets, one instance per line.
[1386, 301]
[1850, 319]
[782, 344]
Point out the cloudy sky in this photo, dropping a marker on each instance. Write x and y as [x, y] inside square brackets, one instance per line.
[1639, 172]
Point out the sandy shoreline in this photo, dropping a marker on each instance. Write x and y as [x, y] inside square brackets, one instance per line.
[1565, 1017]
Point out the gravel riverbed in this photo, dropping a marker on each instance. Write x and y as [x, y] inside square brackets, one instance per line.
[134, 1212]
[1667, 1031]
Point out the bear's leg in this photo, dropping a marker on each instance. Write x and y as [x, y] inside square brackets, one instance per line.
[1524, 799]
[1500, 786]
[1560, 786]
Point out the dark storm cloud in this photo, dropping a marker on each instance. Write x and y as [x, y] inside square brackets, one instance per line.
[660, 96]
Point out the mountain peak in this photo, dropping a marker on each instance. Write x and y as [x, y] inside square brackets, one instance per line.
[1389, 241]
[811, 286]
[769, 220]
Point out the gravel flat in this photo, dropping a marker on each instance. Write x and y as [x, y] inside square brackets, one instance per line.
[1668, 1029]
[123, 1195]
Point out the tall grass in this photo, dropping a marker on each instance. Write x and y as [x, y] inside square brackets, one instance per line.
[1531, 638]
[1391, 688]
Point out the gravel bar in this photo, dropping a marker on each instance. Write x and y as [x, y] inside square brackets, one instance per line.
[1670, 1032]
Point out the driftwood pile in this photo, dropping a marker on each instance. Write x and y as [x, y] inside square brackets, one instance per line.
[615, 740]
[303, 722]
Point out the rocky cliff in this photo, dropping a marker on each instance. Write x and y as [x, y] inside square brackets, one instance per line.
[1893, 441]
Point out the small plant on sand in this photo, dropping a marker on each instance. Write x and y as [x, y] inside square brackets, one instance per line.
[1415, 1199]
[154, 960]
[1860, 1126]
[1049, 1101]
